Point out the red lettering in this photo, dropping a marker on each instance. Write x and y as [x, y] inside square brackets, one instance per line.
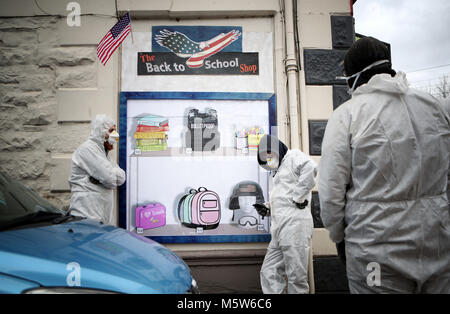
[248, 68]
[147, 58]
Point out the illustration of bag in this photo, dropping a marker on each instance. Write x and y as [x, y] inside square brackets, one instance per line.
[203, 130]
[150, 216]
[200, 208]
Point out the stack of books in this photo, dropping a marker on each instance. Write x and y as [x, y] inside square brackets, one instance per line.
[151, 134]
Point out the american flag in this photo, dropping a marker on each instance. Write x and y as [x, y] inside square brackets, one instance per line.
[184, 47]
[112, 40]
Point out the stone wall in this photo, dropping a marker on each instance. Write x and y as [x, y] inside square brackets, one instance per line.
[33, 67]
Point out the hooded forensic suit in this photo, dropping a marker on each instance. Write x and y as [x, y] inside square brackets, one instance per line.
[382, 187]
[94, 176]
[291, 227]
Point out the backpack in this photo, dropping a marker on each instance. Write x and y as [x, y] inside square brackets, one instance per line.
[200, 208]
[150, 216]
[203, 129]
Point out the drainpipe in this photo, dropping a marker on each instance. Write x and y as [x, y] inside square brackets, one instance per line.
[291, 67]
[283, 129]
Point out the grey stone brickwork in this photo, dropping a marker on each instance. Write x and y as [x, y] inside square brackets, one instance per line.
[322, 66]
[340, 95]
[343, 36]
[342, 31]
[316, 133]
[33, 66]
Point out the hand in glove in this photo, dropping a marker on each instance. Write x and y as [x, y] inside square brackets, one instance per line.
[301, 205]
[94, 180]
[262, 209]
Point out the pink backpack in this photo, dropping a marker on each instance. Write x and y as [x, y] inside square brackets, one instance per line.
[150, 216]
[200, 209]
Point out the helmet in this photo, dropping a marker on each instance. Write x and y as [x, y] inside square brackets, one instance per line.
[246, 188]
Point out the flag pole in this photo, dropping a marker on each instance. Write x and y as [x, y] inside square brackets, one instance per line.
[131, 28]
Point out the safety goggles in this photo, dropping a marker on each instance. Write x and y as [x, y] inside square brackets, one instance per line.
[248, 221]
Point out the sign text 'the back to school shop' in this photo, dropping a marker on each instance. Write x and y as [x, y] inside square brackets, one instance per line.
[222, 63]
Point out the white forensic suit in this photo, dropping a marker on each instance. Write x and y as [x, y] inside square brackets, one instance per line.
[291, 228]
[94, 176]
[382, 188]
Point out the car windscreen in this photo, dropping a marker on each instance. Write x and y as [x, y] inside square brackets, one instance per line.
[18, 201]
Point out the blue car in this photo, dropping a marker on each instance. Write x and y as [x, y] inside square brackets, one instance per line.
[45, 250]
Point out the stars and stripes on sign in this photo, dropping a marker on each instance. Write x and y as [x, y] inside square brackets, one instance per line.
[197, 52]
[178, 43]
[211, 47]
[112, 40]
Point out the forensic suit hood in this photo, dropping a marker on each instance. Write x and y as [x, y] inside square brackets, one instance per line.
[382, 185]
[270, 144]
[94, 175]
[366, 57]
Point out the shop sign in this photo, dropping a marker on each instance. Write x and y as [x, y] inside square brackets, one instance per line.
[226, 63]
[197, 50]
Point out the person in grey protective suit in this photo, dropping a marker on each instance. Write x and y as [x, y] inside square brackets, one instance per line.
[383, 178]
[94, 176]
[291, 221]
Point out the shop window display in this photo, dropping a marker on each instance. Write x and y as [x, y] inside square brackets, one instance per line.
[192, 171]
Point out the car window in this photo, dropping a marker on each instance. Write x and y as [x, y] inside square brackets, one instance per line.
[16, 200]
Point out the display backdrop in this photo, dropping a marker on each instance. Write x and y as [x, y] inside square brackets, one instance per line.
[244, 65]
[195, 101]
[181, 192]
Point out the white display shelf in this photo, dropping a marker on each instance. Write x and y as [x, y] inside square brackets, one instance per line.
[183, 152]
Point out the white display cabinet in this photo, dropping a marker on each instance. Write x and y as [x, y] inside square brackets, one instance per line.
[165, 174]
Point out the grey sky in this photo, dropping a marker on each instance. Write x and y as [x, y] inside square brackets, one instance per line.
[418, 31]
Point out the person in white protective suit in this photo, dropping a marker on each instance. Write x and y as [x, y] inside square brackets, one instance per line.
[383, 179]
[291, 221]
[94, 176]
